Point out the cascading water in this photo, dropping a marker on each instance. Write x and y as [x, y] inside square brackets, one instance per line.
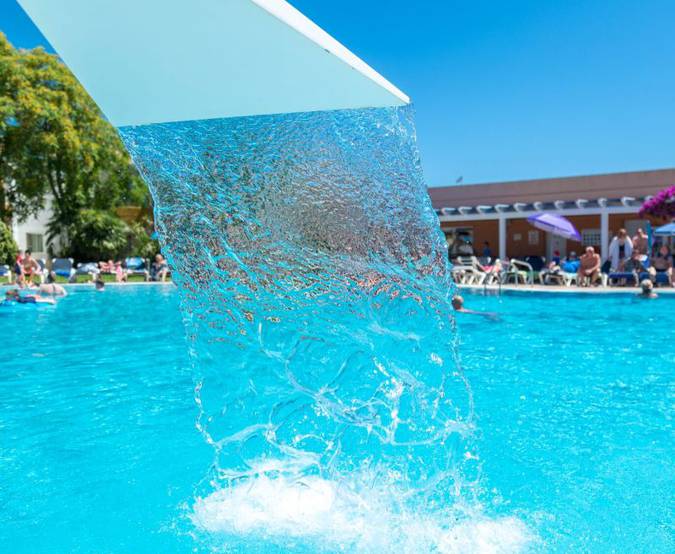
[315, 291]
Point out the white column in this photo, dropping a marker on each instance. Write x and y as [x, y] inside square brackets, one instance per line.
[604, 235]
[502, 237]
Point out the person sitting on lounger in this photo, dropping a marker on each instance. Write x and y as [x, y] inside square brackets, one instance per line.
[647, 290]
[114, 268]
[589, 267]
[662, 262]
[14, 296]
[553, 268]
[159, 269]
[636, 263]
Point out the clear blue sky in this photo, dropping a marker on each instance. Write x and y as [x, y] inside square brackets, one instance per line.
[510, 89]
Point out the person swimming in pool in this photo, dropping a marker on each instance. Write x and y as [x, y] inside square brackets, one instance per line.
[458, 306]
[14, 296]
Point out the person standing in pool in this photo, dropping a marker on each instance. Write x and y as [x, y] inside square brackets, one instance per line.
[458, 306]
[647, 290]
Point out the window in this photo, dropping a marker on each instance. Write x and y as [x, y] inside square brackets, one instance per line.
[34, 242]
[533, 237]
[590, 237]
[460, 241]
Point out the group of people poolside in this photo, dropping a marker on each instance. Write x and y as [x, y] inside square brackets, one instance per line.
[629, 256]
[626, 256]
[30, 275]
[27, 269]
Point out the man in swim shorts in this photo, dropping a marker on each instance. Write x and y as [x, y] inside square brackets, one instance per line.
[589, 267]
[30, 267]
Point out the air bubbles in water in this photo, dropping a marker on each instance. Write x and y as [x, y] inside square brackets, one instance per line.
[315, 291]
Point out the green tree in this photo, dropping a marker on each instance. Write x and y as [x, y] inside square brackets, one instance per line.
[55, 144]
[96, 236]
[8, 248]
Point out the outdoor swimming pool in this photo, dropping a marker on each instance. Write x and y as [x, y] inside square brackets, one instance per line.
[573, 400]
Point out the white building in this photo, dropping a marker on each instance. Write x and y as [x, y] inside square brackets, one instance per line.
[31, 234]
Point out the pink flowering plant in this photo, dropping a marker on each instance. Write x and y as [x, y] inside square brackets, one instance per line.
[661, 205]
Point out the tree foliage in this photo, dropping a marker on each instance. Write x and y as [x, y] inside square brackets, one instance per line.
[8, 248]
[55, 144]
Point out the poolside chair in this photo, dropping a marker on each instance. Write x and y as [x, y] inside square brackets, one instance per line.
[63, 267]
[628, 274]
[519, 270]
[538, 264]
[469, 270]
[87, 268]
[137, 266]
[43, 269]
[659, 278]
[5, 272]
[614, 276]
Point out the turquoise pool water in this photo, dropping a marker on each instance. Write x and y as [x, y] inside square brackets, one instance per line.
[573, 404]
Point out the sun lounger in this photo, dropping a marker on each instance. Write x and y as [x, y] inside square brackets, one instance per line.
[519, 270]
[660, 278]
[137, 266]
[538, 264]
[63, 267]
[628, 276]
[468, 271]
[87, 268]
[6, 273]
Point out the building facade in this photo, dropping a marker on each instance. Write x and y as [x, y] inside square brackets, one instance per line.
[31, 234]
[597, 205]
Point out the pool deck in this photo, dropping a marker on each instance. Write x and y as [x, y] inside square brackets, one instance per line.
[566, 290]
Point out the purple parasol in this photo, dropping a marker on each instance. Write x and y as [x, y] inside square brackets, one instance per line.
[555, 224]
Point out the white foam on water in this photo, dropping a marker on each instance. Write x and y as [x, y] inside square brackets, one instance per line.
[318, 511]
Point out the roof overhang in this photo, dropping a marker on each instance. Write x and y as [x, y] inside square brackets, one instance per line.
[154, 61]
[580, 206]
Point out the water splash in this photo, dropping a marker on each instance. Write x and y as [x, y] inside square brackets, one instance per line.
[315, 291]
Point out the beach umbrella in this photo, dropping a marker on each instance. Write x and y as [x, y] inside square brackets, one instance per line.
[667, 230]
[556, 224]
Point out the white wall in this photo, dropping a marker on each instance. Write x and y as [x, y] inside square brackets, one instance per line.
[34, 225]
